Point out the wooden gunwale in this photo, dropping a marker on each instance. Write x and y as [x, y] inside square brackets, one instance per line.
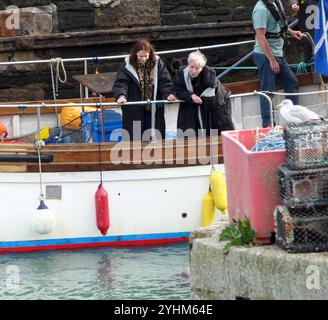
[119, 156]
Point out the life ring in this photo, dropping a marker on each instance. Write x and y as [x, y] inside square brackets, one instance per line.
[3, 131]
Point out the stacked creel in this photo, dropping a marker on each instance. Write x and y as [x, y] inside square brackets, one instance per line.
[301, 222]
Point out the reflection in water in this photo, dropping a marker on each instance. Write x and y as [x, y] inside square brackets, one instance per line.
[109, 274]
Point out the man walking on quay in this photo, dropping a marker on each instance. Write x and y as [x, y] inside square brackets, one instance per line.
[271, 27]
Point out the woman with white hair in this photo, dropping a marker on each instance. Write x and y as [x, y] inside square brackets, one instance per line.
[206, 101]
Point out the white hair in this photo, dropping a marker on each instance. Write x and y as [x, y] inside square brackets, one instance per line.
[198, 58]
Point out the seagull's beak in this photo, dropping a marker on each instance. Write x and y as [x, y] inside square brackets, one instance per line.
[278, 106]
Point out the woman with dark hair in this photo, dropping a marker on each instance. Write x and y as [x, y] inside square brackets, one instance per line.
[143, 76]
[206, 103]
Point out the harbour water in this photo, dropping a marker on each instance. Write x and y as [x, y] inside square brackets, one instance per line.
[150, 273]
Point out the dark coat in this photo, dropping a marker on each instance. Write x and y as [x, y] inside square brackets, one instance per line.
[215, 111]
[127, 84]
[302, 15]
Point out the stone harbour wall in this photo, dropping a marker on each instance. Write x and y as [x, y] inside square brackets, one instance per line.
[256, 273]
[89, 15]
[95, 14]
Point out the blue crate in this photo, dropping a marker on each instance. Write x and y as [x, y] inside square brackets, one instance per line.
[92, 129]
[112, 134]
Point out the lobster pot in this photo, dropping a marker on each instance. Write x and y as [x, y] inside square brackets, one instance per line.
[303, 188]
[306, 144]
[300, 234]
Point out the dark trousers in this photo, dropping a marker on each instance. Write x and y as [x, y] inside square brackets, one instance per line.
[286, 78]
[135, 117]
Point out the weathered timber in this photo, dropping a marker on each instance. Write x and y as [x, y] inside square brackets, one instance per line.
[128, 35]
[121, 156]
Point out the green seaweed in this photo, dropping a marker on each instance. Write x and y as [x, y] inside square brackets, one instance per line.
[237, 233]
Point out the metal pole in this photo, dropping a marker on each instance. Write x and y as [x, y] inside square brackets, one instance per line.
[102, 118]
[153, 120]
[38, 123]
[243, 59]
[270, 105]
[82, 96]
[86, 72]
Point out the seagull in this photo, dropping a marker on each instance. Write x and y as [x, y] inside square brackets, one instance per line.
[295, 113]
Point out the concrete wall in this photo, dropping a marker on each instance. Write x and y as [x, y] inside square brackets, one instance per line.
[256, 273]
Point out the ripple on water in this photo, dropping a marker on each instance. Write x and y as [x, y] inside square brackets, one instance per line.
[104, 274]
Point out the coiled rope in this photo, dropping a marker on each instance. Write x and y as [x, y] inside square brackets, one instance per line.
[56, 65]
[272, 140]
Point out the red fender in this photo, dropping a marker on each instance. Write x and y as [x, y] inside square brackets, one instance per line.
[102, 210]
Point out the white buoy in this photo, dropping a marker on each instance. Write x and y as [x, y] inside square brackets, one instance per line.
[43, 220]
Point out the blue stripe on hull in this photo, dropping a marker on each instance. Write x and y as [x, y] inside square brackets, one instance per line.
[91, 240]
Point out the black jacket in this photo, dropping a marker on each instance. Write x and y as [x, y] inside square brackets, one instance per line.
[127, 84]
[302, 15]
[214, 113]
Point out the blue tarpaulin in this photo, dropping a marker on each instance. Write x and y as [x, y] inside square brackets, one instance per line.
[321, 38]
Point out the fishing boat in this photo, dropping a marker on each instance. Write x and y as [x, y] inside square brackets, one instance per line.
[153, 190]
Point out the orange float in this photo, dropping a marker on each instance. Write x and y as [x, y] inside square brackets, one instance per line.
[3, 130]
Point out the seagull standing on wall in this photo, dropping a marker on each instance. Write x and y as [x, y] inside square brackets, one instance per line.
[295, 113]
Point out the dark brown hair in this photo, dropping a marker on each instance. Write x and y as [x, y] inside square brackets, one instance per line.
[142, 45]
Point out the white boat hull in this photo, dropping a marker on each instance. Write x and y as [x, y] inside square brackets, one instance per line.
[149, 206]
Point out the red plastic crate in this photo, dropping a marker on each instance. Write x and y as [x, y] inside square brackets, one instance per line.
[252, 181]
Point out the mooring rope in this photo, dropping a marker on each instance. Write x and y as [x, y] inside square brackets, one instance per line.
[56, 65]
[38, 144]
[272, 140]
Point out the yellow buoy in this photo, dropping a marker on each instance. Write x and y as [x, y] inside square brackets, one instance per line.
[70, 116]
[44, 134]
[219, 190]
[208, 209]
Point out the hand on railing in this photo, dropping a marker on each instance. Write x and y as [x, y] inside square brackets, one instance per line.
[122, 99]
[196, 99]
[171, 97]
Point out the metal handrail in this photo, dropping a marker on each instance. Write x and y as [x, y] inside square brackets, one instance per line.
[89, 104]
[224, 45]
[293, 94]
[98, 104]
[265, 94]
